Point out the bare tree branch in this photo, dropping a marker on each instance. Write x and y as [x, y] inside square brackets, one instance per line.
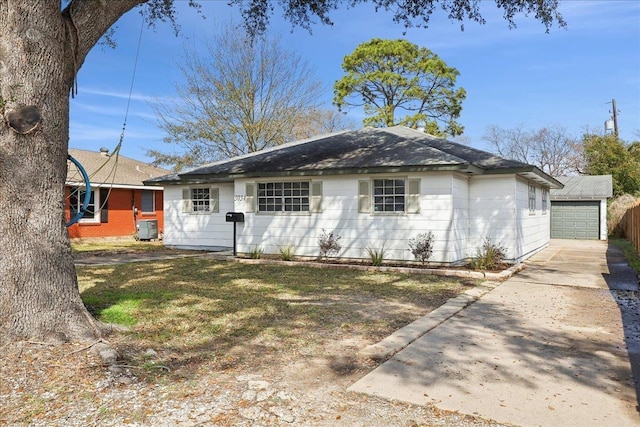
[551, 149]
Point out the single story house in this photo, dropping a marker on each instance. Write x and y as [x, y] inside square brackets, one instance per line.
[119, 199]
[373, 187]
[579, 210]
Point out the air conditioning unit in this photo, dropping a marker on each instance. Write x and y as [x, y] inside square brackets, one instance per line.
[147, 229]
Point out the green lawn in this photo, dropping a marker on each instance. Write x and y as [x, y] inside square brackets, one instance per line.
[629, 251]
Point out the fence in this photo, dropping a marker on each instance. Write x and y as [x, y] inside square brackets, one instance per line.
[631, 225]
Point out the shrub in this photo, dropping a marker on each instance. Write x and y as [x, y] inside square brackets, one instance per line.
[490, 256]
[286, 252]
[617, 209]
[421, 246]
[329, 244]
[377, 255]
[256, 252]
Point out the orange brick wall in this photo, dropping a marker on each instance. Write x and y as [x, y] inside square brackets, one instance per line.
[121, 221]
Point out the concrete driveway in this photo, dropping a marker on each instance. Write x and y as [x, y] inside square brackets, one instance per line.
[555, 345]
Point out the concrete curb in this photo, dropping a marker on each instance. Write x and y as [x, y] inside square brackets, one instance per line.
[408, 334]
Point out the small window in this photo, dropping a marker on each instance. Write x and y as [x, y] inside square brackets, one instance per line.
[532, 200]
[283, 196]
[148, 201]
[76, 200]
[200, 199]
[388, 195]
[545, 197]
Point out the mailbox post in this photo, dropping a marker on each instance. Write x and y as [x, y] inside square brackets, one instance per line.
[234, 217]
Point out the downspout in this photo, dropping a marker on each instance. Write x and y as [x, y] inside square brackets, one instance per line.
[516, 220]
[468, 238]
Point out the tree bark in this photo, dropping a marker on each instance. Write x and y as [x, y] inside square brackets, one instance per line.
[41, 49]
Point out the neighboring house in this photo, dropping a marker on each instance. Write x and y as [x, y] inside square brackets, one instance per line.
[373, 187]
[579, 210]
[119, 199]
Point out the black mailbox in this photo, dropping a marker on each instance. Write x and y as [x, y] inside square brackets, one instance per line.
[235, 217]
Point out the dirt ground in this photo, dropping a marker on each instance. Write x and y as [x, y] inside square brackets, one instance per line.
[67, 385]
[252, 385]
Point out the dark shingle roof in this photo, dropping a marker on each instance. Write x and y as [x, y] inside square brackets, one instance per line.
[584, 187]
[367, 150]
[115, 170]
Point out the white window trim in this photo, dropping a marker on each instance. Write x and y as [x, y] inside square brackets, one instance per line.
[545, 201]
[96, 207]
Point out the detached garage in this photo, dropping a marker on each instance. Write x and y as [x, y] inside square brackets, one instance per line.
[579, 210]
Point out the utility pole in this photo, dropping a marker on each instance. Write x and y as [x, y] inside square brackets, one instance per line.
[615, 117]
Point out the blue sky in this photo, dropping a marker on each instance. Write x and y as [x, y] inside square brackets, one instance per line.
[512, 77]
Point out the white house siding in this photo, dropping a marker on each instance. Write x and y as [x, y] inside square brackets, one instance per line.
[360, 231]
[492, 209]
[499, 209]
[534, 229]
[461, 211]
[603, 220]
[197, 231]
[461, 220]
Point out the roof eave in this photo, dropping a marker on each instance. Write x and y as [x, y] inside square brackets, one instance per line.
[530, 172]
[204, 178]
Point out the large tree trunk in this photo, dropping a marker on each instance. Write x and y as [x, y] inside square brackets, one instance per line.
[40, 52]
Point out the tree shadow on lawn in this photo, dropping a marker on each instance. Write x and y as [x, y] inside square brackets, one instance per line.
[193, 311]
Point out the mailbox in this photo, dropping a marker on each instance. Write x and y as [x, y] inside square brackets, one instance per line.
[235, 217]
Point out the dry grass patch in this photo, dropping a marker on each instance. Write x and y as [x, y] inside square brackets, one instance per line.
[198, 310]
[103, 245]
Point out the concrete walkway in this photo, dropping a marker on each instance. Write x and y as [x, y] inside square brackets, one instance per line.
[555, 345]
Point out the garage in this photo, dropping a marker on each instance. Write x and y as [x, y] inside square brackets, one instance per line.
[579, 210]
[575, 220]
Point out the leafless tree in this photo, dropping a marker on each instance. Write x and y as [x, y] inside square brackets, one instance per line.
[239, 96]
[551, 149]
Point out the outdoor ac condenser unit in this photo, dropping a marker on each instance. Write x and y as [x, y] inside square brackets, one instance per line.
[148, 229]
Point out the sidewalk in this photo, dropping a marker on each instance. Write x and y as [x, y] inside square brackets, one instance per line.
[546, 347]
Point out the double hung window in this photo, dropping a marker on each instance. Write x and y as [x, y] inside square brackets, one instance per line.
[200, 200]
[532, 200]
[388, 195]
